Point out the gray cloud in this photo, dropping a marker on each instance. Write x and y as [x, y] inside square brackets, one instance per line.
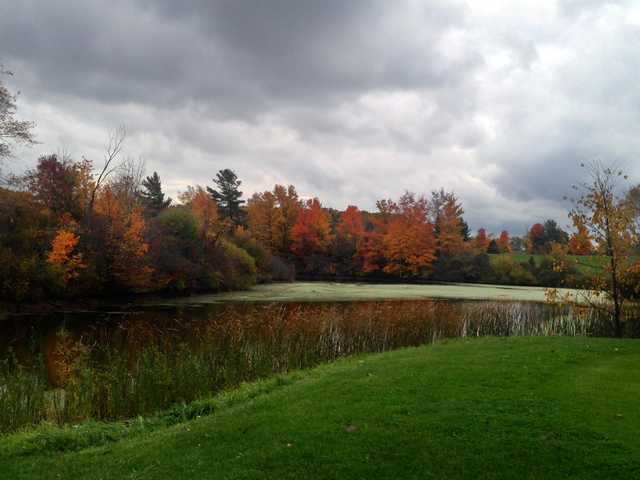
[350, 101]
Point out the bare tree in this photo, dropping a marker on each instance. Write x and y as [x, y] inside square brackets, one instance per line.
[127, 181]
[113, 150]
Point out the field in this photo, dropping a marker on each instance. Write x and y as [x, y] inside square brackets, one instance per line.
[332, 292]
[586, 264]
[484, 408]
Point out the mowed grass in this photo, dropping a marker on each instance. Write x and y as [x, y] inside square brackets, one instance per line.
[336, 292]
[528, 407]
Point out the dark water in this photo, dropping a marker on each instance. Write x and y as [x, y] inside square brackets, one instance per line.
[109, 363]
[136, 326]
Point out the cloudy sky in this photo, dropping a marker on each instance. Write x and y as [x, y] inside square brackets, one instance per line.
[349, 100]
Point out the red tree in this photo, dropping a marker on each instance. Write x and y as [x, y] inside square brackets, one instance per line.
[503, 242]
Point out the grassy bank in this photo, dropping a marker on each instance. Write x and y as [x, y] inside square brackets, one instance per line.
[483, 408]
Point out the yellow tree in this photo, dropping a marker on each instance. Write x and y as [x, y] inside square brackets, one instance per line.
[609, 218]
[64, 258]
[272, 216]
[205, 210]
[580, 242]
[289, 207]
[264, 219]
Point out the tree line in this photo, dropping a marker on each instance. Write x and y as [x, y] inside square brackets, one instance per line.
[71, 228]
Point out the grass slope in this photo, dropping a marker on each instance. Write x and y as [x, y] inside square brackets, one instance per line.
[332, 291]
[586, 264]
[484, 408]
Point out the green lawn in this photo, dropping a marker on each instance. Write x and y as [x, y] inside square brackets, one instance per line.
[332, 292]
[484, 408]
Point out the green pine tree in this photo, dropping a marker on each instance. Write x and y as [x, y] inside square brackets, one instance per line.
[228, 195]
[152, 196]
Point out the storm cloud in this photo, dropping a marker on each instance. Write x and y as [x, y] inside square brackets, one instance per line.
[349, 101]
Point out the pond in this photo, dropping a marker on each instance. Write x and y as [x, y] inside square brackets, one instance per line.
[120, 361]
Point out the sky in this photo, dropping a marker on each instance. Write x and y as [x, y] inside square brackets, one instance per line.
[349, 100]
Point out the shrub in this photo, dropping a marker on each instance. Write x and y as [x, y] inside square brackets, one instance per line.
[509, 272]
[235, 268]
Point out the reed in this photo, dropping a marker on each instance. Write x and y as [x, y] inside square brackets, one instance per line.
[143, 368]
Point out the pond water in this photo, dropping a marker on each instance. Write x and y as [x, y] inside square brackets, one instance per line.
[134, 327]
[120, 361]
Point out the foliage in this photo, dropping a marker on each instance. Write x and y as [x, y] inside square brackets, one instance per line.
[64, 258]
[580, 241]
[311, 235]
[272, 216]
[62, 185]
[505, 270]
[481, 241]
[504, 242]
[410, 243]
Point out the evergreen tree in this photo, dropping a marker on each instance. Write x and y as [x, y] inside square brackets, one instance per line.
[151, 194]
[227, 195]
[464, 230]
[554, 234]
[493, 247]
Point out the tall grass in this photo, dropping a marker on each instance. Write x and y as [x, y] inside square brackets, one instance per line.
[144, 366]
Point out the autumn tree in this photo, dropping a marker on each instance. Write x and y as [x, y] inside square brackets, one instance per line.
[206, 212]
[481, 241]
[272, 215]
[535, 239]
[311, 235]
[152, 196]
[351, 226]
[227, 195]
[504, 242]
[27, 228]
[263, 216]
[60, 184]
[65, 259]
[130, 263]
[125, 247]
[409, 243]
[609, 218]
[580, 242]
[350, 233]
[449, 226]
